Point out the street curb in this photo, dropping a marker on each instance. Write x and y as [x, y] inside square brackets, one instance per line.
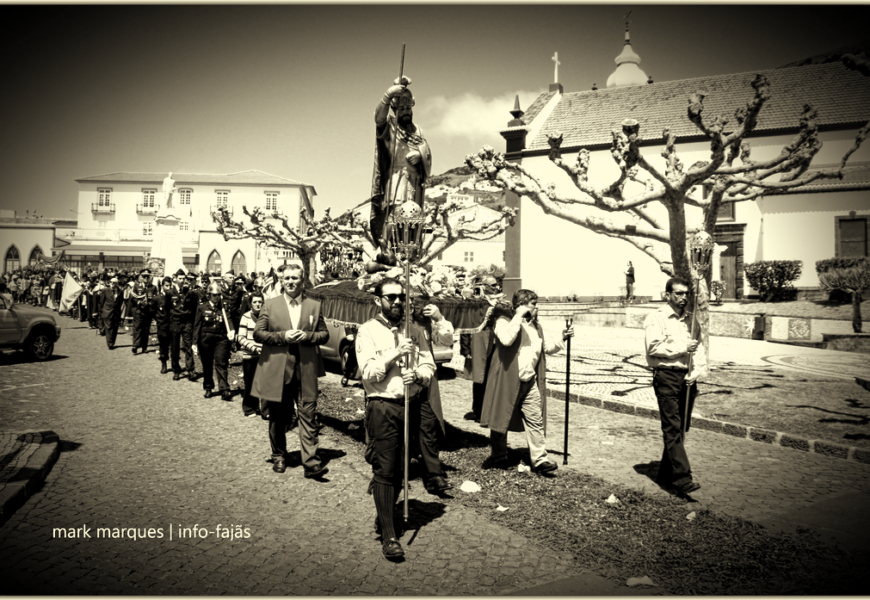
[755, 434]
[28, 479]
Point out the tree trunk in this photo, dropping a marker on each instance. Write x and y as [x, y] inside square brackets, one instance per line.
[856, 312]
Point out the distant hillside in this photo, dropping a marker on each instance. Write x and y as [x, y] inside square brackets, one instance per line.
[832, 55]
[460, 181]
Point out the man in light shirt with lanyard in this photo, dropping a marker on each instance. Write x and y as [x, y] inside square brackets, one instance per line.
[670, 350]
[388, 362]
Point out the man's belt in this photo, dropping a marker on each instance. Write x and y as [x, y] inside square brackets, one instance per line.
[399, 401]
[677, 369]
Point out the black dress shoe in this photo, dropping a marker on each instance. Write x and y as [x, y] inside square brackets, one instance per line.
[227, 396]
[546, 467]
[134, 350]
[688, 488]
[393, 549]
[437, 484]
[176, 377]
[492, 462]
[207, 394]
[163, 369]
[278, 465]
[315, 472]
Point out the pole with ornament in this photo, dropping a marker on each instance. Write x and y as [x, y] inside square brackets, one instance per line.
[700, 255]
[407, 235]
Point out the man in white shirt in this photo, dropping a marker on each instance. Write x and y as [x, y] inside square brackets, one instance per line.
[389, 361]
[516, 390]
[670, 351]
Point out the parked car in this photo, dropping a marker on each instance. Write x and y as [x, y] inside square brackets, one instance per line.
[27, 328]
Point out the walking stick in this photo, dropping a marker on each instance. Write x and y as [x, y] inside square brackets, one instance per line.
[568, 323]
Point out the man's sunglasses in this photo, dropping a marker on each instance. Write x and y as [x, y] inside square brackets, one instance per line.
[393, 297]
[680, 293]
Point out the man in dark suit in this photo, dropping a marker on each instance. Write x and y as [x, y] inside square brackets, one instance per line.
[162, 305]
[290, 328]
[109, 303]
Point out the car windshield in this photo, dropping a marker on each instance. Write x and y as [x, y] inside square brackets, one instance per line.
[6, 300]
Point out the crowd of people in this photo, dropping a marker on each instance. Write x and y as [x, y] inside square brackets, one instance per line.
[277, 329]
[37, 287]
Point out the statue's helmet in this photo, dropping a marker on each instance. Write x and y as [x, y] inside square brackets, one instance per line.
[405, 99]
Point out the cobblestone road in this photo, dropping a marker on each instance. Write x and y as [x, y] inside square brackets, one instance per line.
[142, 454]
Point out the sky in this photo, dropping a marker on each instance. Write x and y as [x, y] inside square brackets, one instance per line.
[291, 89]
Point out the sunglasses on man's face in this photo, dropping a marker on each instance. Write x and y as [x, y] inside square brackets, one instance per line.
[391, 298]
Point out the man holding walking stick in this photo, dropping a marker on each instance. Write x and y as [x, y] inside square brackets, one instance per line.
[389, 361]
[677, 359]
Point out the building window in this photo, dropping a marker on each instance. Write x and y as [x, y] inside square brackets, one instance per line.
[148, 198]
[34, 255]
[271, 201]
[104, 196]
[239, 263]
[13, 261]
[184, 226]
[214, 262]
[851, 237]
[184, 197]
[223, 198]
[469, 257]
[148, 228]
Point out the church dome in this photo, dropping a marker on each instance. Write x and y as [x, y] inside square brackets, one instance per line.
[627, 70]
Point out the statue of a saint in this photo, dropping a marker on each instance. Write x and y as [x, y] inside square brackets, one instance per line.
[168, 190]
[403, 160]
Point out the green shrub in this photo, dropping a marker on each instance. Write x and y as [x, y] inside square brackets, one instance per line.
[772, 279]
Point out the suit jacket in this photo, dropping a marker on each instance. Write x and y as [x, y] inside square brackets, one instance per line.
[278, 356]
[109, 306]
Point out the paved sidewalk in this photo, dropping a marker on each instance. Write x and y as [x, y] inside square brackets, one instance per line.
[25, 460]
[609, 370]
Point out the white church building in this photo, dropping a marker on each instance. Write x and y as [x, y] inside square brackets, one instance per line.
[826, 219]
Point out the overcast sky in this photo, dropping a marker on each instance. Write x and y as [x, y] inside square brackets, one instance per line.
[291, 90]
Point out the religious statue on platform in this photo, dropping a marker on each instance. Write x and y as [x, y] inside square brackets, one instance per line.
[168, 190]
[403, 162]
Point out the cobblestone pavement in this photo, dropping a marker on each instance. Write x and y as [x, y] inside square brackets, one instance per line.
[610, 362]
[144, 457]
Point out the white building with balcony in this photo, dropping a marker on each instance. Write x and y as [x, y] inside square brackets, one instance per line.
[116, 218]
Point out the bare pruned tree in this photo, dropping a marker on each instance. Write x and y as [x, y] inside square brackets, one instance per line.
[445, 224]
[730, 174]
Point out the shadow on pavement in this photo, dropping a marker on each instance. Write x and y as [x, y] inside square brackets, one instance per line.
[19, 357]
[67, 446]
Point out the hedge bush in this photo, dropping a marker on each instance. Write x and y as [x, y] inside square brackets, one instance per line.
[772, 279]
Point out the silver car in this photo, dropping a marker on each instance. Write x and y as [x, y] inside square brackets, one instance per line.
[29, 328]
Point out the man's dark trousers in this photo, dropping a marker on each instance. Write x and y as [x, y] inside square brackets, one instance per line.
[111, 328]
[279, 415]
[424, 427]
[214, 352]
[164, 340]
[250, 405]
[182, 342]
[141, 327]
[670, 389]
